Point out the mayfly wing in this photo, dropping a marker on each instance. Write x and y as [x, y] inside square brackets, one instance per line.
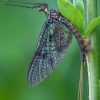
[53, 43]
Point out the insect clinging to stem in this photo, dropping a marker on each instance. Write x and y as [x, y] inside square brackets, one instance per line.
[55, 38]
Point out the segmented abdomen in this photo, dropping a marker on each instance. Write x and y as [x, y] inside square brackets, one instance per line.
[77, 35]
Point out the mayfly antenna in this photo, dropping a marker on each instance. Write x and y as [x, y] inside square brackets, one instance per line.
[25, 2]
[22, 6]
[35, 4]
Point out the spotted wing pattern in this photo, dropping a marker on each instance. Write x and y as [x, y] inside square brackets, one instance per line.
[54, 40]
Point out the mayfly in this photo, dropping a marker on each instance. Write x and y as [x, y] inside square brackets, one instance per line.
[54, 40]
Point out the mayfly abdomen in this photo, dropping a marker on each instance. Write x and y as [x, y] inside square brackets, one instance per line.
[77, 35]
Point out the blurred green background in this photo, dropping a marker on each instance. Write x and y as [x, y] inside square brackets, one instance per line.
[19, 33]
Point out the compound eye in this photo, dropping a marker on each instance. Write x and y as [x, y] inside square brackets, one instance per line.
[41, 8]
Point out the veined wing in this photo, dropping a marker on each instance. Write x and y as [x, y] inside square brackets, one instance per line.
[54, 40]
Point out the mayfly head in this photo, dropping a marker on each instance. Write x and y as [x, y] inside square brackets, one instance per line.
[41, 6]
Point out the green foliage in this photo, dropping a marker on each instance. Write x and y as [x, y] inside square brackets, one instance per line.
[80, 5]
[91, 26]
[73, 14]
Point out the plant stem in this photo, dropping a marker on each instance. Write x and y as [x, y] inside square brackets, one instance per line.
[92, 56]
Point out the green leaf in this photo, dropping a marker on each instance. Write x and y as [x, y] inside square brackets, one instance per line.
[91, 26]
[74, 2]
[80, 5]
[73, 14]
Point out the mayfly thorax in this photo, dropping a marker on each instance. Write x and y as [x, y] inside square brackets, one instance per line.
[54, 40]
